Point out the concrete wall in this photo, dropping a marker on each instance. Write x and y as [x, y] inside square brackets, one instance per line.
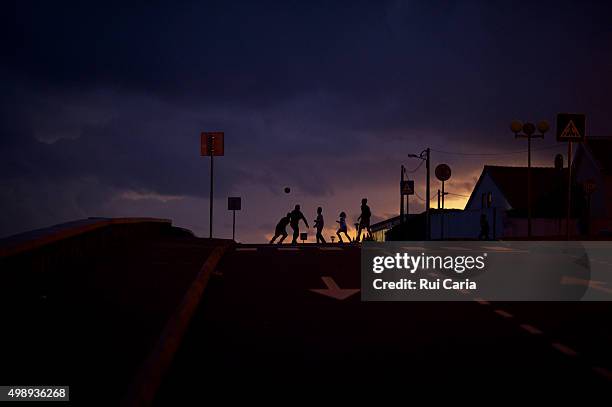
[540, 227]
[465, 224]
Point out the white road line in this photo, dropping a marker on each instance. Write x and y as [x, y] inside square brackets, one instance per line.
[504, 313]
[531, 329]
[246, 249]
[604, 372]
[482, 301]
[566, 350]
[503, 249]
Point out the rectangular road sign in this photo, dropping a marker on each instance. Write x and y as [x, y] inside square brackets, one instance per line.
[407, 187]
[211, 143]
[234, 203]
[570, 127]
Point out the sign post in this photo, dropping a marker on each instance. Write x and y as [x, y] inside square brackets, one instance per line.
[401, 219]
[234, 203]
[211, 144]
[406, 189]
[529, 133]
[443, 173]
[570, 128]
[589, 187]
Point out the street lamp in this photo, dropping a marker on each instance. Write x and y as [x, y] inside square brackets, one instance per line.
[424, 155]
[529, 133]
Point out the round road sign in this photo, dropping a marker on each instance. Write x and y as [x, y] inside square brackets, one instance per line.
[443, 172]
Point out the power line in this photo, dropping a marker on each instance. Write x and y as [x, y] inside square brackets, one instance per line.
[423, 199]
[435, 196]
[495, 154]
[415, 169]
[452, 193]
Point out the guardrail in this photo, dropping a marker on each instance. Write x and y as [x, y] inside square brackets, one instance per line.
[35, 239]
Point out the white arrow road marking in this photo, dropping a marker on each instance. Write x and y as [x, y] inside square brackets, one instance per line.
[564, 349]
[333, 290]
[595, 285]
[531, 329]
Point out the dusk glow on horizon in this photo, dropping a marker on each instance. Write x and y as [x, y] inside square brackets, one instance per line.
[104, 105]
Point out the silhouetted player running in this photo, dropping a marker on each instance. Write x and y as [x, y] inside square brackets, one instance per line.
[295, 216]
[318, 224]
[364, 219]
[343, 228]
[281, 229]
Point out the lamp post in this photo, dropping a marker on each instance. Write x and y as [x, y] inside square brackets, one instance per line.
[528, 130]
[425, 156]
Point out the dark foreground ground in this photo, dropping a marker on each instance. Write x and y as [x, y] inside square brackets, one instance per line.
[261, 330]
[87, 311]
[90, 318]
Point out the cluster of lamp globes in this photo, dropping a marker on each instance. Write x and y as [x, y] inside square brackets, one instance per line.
[529, 128]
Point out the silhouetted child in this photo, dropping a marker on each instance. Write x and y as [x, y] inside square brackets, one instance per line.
[484, 228]
[294, 220]
[342, 228]
[318, 224]
[281, 229]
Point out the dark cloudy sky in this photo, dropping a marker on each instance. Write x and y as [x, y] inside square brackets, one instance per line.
[102, 103]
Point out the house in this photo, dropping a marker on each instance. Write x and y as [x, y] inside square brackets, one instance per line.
[502, 190]
[501, 195]
[592, 172]
[379, 229]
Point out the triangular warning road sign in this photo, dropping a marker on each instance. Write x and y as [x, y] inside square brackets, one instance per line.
[570, 131]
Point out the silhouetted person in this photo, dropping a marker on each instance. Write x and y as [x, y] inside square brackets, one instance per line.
[295, 216]
[281, 229]
[484, 228]
[364, 219]
[342, 228]
[318, 224]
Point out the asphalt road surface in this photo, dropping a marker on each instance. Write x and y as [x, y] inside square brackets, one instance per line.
[262, 328]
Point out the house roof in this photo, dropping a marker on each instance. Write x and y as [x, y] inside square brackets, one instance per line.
[601, 151]
[547, 186]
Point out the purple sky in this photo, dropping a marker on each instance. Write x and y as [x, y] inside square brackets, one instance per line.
[102, 106]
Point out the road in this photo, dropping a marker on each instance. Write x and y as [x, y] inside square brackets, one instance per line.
[262, 327]
[90, 321]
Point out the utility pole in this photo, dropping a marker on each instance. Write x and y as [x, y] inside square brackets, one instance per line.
[529, 133]
[425, 156]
